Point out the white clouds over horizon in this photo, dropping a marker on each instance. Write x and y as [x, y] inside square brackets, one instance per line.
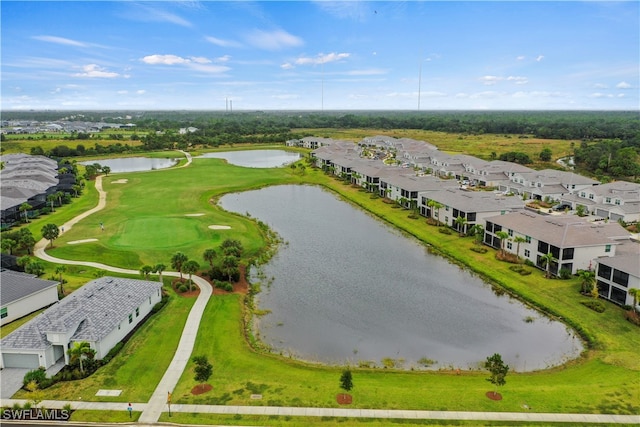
[95, 71]
[273, 40]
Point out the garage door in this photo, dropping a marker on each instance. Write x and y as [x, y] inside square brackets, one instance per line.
[29, 361]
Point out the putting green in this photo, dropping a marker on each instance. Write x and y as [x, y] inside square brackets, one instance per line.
[156, 233]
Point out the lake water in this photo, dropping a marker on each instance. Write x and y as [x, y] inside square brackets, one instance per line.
[255, 158]
[134, 164]
[346, 288]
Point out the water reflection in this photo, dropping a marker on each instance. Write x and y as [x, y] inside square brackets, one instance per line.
[256, 158]
[133, 164]
[347, 288]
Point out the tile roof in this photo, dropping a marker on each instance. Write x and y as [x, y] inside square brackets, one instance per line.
[89, 314]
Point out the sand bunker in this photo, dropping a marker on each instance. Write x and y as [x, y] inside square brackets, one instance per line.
[120, 181]
[195, 214]
[75, 242]
[219, 227]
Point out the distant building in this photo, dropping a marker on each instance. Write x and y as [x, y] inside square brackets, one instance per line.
[23, 294]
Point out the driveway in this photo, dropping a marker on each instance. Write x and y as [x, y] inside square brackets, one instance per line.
[11, 381]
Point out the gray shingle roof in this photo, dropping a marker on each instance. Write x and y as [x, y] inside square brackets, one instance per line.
[16, 285]
[90, 313]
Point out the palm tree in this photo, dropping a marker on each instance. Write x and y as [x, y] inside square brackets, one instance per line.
[8, 245]
[209, 255]
[477, 231]
[51, 198]
[190, 267]
[145, 270]
[587, 280]
[229, 265]
[502, 235]
[80, 350]
[546, 261]
[159, 268]
[437, 206]
[461, 221]
[518, 240]
[50, 232]
[59, 195]
[177, 261]
[59, 270]
[24, 208]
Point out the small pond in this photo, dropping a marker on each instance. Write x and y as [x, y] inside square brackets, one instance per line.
[134, 164]
[255, 158]
[346, 288]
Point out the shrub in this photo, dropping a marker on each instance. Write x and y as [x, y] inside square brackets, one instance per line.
[183, 288]
[633, 317]
[480, 250]
[529, 263]
[115, 350]
[565, 274]
[594, 305]
[38, 375]
[444, 230]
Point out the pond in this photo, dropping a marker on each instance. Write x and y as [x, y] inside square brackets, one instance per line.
[134, 164]
[346, 288]
[256, 158]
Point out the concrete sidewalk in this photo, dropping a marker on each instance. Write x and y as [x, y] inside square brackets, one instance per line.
[344, 413]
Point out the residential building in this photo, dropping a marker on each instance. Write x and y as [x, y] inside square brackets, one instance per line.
[101, 313]
[23, 294]
[616, 275]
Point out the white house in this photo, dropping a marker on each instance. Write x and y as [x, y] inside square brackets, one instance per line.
[102, 313]
[23, 294]
[616, 275]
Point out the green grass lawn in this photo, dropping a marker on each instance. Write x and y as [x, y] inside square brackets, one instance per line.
[149, 212]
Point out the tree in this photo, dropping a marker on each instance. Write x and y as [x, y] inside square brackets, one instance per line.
[581, 210]
[498, 370]
[59, 195]
[106, 170]
[50, 232]
[59, 270]
[51, 198]
[477, 231]
[503, 236]
[34, 267]
[546, 154]
[80, 350]
[145, 270]
[461, 222]
[159, 268]
[546, 261]
[435, 206]
[518, 240]
[177, 261]
[587, 280]
[24, 208]
[209, 255]
[8, 245]
[229, 265]
[346, 380]
[203, 369]
[190, 267]
[26, 240]
[232, 247]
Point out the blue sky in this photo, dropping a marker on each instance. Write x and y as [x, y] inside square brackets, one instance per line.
[297, 55]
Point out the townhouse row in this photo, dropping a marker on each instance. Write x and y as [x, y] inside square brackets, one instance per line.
[464, 192]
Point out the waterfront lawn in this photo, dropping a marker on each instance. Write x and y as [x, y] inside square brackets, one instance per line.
[138, 367]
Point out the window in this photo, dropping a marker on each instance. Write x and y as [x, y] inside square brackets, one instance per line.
[583, 194]
[621, 278]
[618, 295]
[567, 253]
[591, 196]
[137, 311]
[604, 271]
[607, 248]
[510, 232]
[527, 239]
[527, 253]
[3, 312]
[131, 318]
[471, 216]
[446, 219]
[509, 245]
[149, 300]
[489, 227]
[446, 208]
[543, 247]
[573, 186]
[608, 200]
[617, 201]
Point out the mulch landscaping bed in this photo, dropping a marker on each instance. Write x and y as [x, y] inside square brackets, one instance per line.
[201, 388]
[344, 398]
[494, 396]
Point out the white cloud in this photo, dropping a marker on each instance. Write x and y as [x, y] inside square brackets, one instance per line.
[321, 58]
[518, 80]
[60, 40]
[520, 58]
[222, 42]
[197, 63]
[224, 58]
[539, 58]
[147, 13]
[273, 40]
[490, 80]
[122, 92]
[287, 66]
[600, 95]
[94, 71]
[141, 92]
[623, 85]
[600, 86]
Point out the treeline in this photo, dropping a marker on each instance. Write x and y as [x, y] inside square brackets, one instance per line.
[610, 158]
